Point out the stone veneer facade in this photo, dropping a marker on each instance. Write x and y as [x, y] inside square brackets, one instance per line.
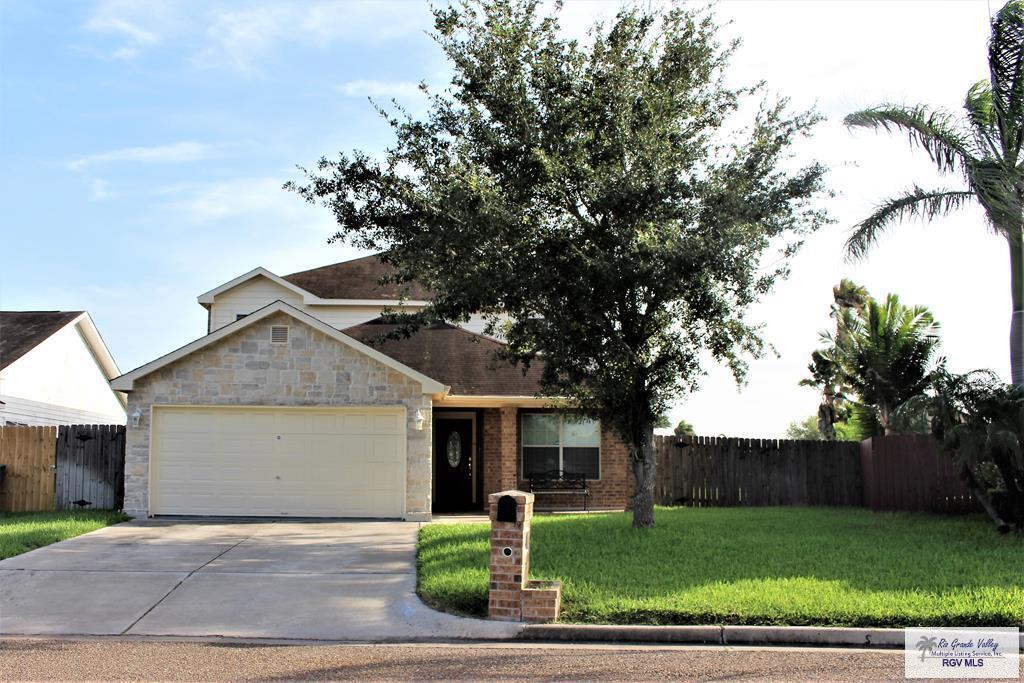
[311, 370]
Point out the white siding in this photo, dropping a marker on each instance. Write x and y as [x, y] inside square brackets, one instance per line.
[60, 373]
[248, 297]
[14, 410]
[260, 291]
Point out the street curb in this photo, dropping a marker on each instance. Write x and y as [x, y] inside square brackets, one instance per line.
[719, 635]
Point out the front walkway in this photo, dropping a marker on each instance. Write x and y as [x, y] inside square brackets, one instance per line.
[323, 580]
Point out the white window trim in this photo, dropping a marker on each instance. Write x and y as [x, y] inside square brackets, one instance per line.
[561, 446]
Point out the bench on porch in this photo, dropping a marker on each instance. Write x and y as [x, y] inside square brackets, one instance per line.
[560, 482]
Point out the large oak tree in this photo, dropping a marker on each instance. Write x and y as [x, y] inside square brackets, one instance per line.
[596, 199]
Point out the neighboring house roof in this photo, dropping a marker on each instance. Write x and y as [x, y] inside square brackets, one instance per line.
[356, 279]
[462, 360]
[126, 381]
[22, 331]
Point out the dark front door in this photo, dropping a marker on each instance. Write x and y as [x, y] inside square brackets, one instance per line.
[453, 464]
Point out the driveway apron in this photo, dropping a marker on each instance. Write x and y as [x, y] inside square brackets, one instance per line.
[321, 580]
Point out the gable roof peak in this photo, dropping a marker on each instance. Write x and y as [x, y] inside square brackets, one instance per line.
[22, 331]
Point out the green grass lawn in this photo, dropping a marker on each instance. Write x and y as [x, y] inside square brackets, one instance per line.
[24, 531]
[822, 566]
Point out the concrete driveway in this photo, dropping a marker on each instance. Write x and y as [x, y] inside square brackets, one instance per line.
[325, 580]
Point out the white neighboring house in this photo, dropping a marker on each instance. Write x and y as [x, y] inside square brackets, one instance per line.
[55, 369]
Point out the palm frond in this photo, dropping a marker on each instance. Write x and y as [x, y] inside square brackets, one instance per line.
[914, 203]
[995, 186]
[937, 132]
[978, 104]
[1006, 68]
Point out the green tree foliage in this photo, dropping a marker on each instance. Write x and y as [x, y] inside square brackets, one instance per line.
[806, 429]
[880, 356]
[979, 421]
[684, 428]
[983, 147]
[590, 199]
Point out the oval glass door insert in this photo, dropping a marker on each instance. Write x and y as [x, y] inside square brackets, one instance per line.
[454, 449]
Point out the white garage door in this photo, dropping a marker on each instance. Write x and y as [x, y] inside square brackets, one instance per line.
[301, 462]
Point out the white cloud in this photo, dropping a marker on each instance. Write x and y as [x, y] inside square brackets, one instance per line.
[134, 33]
[241, 39]
[135, 24]
[126, 53]
[246, 221]
[371, 88]
[162, 154]
[99, 190]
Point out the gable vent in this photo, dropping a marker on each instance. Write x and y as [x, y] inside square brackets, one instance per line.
[279, 334]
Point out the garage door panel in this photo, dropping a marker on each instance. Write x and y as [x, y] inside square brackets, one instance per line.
[261, 461]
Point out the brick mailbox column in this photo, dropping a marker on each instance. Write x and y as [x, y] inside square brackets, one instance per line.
[513, 597]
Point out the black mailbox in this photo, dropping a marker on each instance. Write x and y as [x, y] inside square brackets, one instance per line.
[506, 509]
[3, 473]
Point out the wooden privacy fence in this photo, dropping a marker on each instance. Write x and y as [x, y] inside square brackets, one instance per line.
[28, 454]
[910, 473]
[51, 467]
[90, 467]
[883, 473]
[721, 471]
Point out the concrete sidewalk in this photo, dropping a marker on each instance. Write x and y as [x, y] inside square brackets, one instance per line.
[343, 581]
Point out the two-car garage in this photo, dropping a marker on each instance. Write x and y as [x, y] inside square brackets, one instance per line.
[278, 461]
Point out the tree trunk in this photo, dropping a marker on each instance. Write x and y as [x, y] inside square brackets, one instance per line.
[827, 422]
[1017, 317]
[645, 466]
[980, 495]
[1003, 461]
[884, 418]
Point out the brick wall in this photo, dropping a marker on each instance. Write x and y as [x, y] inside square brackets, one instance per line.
[612, 491]
[502, 465]
[500, 448]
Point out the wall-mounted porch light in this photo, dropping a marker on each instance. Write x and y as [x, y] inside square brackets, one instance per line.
[136, 417]
[417, 420]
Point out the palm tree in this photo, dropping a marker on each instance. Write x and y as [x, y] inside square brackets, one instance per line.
[825, 372]
[984, 147]
[825, 375]
[886, 355]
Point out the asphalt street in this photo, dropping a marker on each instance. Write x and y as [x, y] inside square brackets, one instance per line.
[144, 659]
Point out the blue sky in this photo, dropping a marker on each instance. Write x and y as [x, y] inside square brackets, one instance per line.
[144, 145]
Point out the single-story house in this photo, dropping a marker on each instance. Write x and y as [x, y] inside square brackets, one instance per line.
[291, 405]
[55, 369]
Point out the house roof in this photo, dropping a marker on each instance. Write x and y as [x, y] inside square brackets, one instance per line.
[126, 381]
[22, 331]
[453, 356]
[356, 279]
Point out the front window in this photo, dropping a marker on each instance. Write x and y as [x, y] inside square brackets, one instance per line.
[552, 441]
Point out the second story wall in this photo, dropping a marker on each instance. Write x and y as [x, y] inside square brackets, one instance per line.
[246, 298]
[261, 291]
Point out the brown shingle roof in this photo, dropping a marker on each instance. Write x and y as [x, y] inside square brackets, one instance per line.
[356, 279]
[22, 331]
[453, 356]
